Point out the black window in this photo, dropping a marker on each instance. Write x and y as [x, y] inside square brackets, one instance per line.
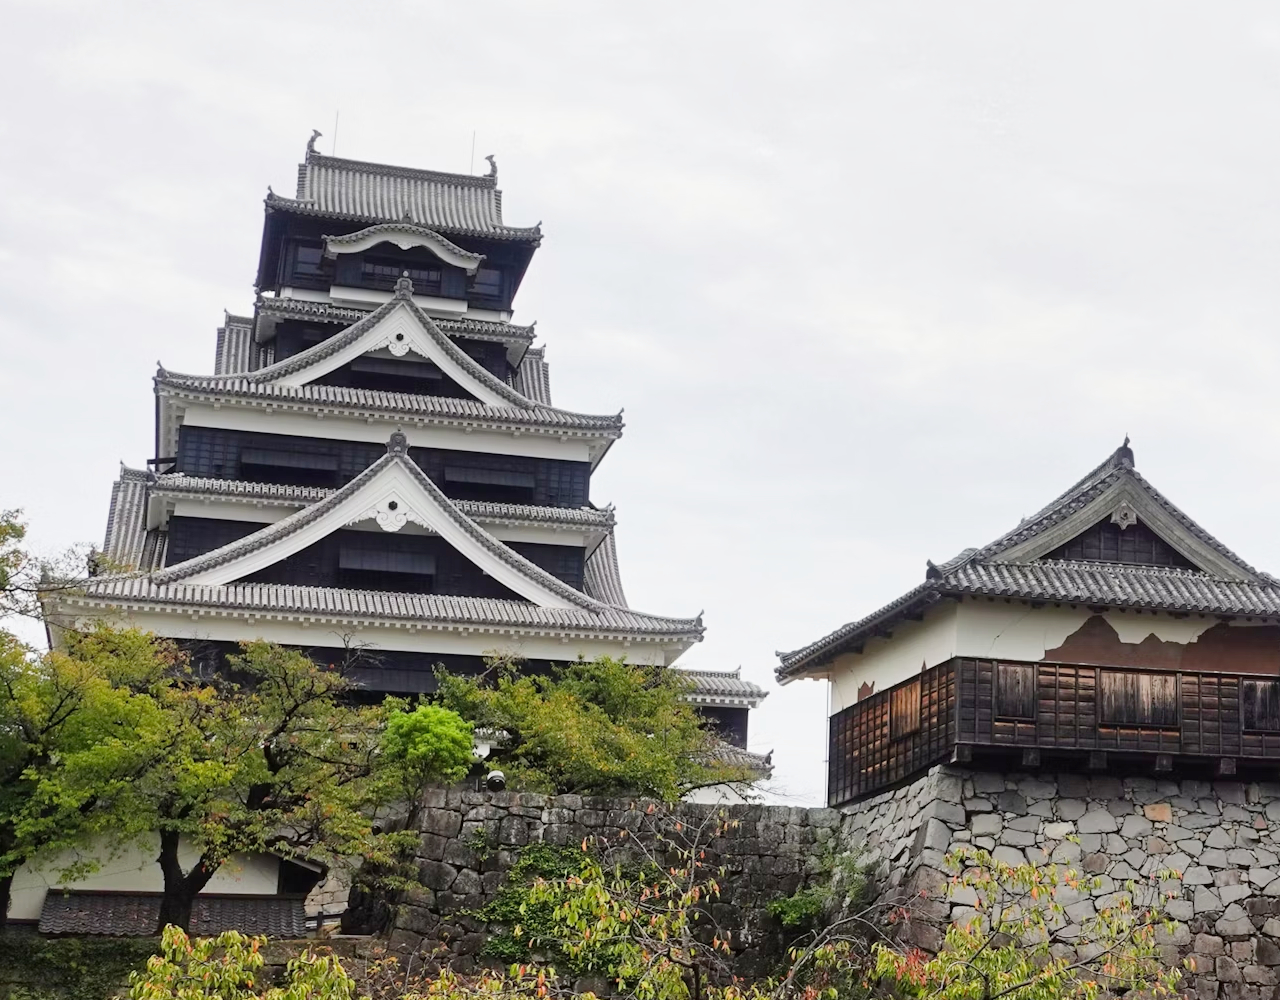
[486, 286]
[1260, 701]
[376, 272]
[291, 468]
[499, 485]
[1016, 691]
[1133, 699]
[308, 261]
[381, 564]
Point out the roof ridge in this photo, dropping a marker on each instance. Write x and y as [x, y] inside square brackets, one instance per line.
[395, 170]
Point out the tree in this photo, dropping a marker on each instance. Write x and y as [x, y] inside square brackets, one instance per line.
[423, 747]
[76, 728]
[604, 727]
[273, 756]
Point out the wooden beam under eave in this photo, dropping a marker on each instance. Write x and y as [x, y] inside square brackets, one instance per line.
[1164, 763]
[1030, 757]
[1097, 760]
[1225, 768]
[962, 753]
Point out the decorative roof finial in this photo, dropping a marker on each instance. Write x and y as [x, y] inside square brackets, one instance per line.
[931, 571]
[493, 166]
[404, 286]
[398, 444]
[1124, 454]
[311, 143]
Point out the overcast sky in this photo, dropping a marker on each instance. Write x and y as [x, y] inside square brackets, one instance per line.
[872, 280]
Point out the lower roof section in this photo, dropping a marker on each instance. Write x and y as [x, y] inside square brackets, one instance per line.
[423, 623]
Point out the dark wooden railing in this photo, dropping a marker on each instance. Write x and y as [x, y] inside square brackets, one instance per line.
[1072, 712]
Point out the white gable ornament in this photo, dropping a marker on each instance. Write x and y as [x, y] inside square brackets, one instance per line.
[1124, 515]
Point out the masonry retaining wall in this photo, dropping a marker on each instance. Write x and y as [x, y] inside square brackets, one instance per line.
[470, 840]
[1223, 837]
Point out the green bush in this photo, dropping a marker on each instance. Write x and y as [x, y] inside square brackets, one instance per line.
[36, 968]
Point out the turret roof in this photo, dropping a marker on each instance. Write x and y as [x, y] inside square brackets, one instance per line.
[461, 204]
[1022, 564]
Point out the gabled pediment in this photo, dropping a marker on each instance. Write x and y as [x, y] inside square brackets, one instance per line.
[1112, 505]
[406, 236]
[390, 494]
[402, 329]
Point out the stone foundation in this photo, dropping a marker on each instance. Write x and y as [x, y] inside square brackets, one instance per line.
[470, 840]
[1223, 837]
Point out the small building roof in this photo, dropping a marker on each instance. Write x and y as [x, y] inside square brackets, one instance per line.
[460, 204]
[135, 914]
[1025, 563]
[725, 688]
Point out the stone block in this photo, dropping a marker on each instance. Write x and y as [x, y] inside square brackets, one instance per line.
[1208, 944]
[1070, 809]
[1012, 802]
[1206, 900]
[1073, 786]
[443, 823]
[986, 825]
[1097, 821]
[1017, 838]
[1179, 909]
[1158, 812]
[1268, 952]
[1219, 837]
[1135, 827]
[1197, 875]
[1226, 970]
[1096, 864]
[1214, 857]
[436, 874]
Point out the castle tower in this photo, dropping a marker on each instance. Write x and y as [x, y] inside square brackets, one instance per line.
[375, 471]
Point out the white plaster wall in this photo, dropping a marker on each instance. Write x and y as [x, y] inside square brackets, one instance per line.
[987, 628]
[351, 429]
[885, 662]
[1018, 631]
[134, 869]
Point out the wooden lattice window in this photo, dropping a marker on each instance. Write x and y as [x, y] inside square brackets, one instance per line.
[842, 768]
[1134, 699]
[1260, 703]
[904, 710]
[1015, 691]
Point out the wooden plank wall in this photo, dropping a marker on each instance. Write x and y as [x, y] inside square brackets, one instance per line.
[865, 758]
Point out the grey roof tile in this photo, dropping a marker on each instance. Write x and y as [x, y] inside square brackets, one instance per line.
[177, 484]
[602, 578]
[533, 377]
[374, 192]
[326, 312]
[135, 914]
[720, 687]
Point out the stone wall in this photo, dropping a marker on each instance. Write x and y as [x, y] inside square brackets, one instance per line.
[1223, 837]
[470, 840]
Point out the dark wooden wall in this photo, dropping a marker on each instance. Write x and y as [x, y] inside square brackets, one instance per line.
[994, 705]
[891, 735]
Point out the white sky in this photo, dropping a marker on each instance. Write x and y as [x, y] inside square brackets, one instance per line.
[872, 280]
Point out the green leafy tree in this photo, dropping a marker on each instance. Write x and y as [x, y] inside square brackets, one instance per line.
[274, 756]
[230, 967]
[77, 727]
[423, 747]
[604, 727]
[270, 758]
